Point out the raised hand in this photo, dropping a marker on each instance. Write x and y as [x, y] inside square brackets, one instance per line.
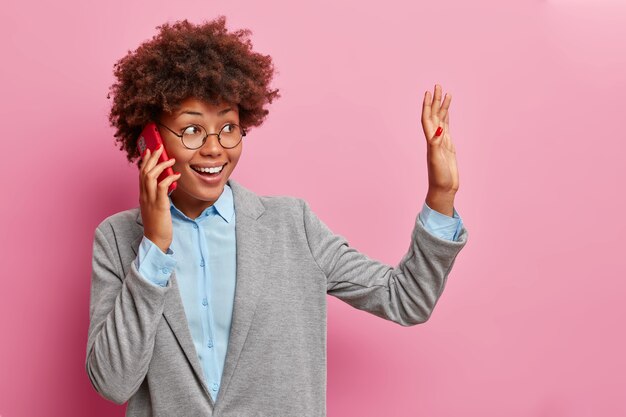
[153, 199]
[443, 175]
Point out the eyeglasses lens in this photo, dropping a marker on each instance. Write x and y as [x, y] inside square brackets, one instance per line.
[229, 136]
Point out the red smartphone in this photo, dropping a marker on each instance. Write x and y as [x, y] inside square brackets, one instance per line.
[151, 139]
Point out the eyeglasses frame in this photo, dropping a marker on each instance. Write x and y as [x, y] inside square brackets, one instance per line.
[243, 133]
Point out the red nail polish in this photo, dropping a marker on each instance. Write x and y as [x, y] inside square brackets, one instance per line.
[438, 132]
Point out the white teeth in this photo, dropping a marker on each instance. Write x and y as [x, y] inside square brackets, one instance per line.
[209, 170]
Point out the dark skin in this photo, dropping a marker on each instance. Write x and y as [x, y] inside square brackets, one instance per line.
[192, 195]
[443, 175]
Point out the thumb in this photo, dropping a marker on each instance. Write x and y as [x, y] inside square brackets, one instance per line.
[436, 139]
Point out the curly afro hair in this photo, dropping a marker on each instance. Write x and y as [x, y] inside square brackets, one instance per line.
[184, 60]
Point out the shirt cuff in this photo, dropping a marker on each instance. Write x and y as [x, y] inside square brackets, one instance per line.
[439, 224]
[154, 265]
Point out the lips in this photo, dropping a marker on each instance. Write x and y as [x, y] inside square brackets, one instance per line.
[209, 179]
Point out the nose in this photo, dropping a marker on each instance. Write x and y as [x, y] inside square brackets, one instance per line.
[212, 146]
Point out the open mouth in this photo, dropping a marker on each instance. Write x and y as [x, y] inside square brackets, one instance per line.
[209, 172]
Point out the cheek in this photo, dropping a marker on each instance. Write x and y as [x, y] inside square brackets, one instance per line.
[181, 159]
[177, 165]
[234, 157]
[182, 167]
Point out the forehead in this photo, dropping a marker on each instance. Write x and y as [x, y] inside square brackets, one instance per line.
[200, 108]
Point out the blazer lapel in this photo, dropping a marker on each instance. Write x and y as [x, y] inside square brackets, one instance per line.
[254, 246]
[254, 243]
[176, 318]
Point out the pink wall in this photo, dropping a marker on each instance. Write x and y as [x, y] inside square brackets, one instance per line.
[532, 320]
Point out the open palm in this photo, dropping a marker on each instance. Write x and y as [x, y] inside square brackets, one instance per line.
[443, 174]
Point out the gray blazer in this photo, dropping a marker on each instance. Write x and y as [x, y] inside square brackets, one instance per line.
[140, 349]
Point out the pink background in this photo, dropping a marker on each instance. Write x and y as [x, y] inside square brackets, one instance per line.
[532, 319]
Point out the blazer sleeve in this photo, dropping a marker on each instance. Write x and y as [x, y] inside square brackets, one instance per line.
[124, 313]
[406, 294]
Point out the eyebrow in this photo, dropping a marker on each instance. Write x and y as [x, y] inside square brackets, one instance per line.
[196, 113]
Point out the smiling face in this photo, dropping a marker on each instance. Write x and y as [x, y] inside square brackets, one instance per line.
[196, 191]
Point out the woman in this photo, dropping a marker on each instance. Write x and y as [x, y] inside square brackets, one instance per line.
[212, 300]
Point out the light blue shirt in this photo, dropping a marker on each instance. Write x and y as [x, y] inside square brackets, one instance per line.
[203, 254]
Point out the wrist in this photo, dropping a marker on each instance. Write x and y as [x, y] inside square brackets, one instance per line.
[441, 201]
[161, 244]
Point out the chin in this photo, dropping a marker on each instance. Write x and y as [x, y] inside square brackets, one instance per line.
[209, 195]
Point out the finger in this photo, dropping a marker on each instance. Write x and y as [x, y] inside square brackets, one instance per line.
[154, 158]
[164, 185]
[426, 106]
[158, 168]
[152, 178]
[144, 156]
[436, 100]
[445, 106]
[437, 137]
[142, 164]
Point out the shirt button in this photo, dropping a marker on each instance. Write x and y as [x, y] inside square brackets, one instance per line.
[165, 271]
[202, 263]
[215, 386]
[195, 226]
[205, 302]
[210, 344]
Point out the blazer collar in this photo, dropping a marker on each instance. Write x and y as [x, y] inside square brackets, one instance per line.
[246, 202]
[255, 238]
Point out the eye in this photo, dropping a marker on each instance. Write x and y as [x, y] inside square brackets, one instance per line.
[191, 130]
[228, 128]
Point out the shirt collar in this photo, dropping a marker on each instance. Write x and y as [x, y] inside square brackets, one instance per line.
[224, 206]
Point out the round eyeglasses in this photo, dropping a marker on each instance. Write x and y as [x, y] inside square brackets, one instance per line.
[194, 136]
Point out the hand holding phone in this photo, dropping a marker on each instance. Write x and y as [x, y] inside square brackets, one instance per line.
[151, 139]
[154, 184]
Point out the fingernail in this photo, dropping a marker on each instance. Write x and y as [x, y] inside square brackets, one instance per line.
[438, 132]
